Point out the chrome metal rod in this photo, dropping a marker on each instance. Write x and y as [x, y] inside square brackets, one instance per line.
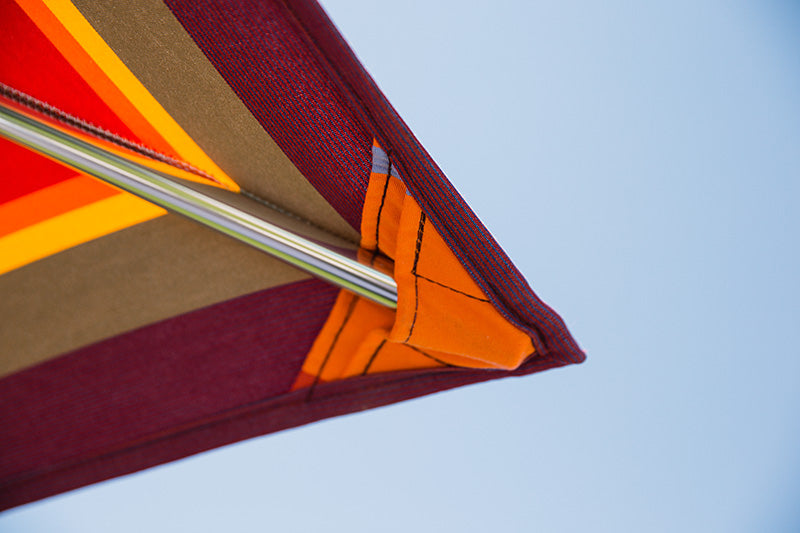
[141, 181]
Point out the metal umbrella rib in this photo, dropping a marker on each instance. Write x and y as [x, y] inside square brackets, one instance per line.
[313, 257]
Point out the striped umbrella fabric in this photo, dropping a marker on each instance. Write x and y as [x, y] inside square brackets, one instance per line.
[131, 336]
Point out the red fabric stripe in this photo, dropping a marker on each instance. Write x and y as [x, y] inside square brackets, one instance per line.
[31, 64]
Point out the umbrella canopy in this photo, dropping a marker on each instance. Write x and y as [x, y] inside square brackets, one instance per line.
[132, 336]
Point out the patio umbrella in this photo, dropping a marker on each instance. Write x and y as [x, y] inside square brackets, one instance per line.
[135, 333]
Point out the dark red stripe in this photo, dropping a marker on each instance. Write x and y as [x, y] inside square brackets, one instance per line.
[259, 51]
[250, 420]
[152, 384]
[222, 374]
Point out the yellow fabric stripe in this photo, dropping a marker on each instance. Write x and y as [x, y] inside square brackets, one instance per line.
[71, 229]
[139, 96]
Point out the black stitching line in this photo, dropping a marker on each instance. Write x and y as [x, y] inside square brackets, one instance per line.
[330, 348]
[452, 289]
[429, 356]
[414, 272]
[372, 357]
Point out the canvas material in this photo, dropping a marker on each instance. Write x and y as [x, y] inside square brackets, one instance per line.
[320, 51]
[113, 93]
[91, 57]
[41, 70]
[442, 317]
[41, 460]
[262, 55]
[156, 48]
[96, 412]
[144, 274]
[71, 295]
[37, 220]
[461, 230]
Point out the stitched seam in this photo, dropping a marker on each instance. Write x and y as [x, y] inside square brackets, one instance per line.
[289, 214]
[414, 272]
[452, 289]
[330, 349]
[88, 127]
[429, 356]
[372, 357]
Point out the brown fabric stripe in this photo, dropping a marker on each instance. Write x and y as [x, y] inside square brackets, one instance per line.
[154, 45]
[146, 273]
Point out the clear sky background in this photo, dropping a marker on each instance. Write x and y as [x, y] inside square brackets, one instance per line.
[640, 163]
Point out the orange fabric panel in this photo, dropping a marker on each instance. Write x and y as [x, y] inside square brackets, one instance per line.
[441, 308]
[304, 379]
[354, 341]
[350, 321]
[442, 317]
[390, 356]
[380, 221]
[365, 317]
[51, 201]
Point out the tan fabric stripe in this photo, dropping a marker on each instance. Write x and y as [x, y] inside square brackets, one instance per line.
[140, 275]
[154, 45]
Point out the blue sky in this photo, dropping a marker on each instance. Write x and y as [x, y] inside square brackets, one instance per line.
[640, 165]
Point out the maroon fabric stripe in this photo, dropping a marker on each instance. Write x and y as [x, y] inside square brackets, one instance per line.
[80, 413]
[222, 374]
[251, 420]
[461, 229]
[260, 53]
